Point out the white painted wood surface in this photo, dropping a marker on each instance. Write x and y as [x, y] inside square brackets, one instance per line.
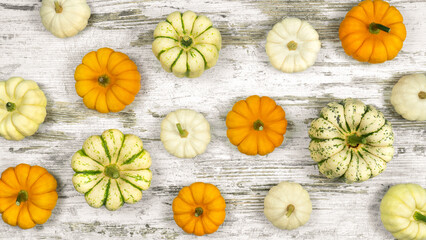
[340, 211]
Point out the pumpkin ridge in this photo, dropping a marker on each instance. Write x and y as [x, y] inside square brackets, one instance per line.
[374, 46]
[237, 144]
[211, 26]
[365, 150]
[166, 37]
[106, 192]
[33, 195]
[121, 194]
[385, 13]
[193, 23]
[132, 158]
[13, 124]
[167, 21]
[177, 58]
[127, 181]
[26, 179]
[104, 145]
[183, 24]
[204, 59]
[100, 180]
[339, 128]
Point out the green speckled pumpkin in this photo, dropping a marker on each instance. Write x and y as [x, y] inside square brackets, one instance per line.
[351, 140]
[112, 169]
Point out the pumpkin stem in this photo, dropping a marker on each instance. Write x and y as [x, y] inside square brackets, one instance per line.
[198, 211]
[258, 125]
[103, 80]
[422, 95]
[354, 140]
[182, 132]
[292, 45]
[22, 197]
[58, 7]
[112, 171]
[186, 41]
[419, 217]
[10, 106]
[375, 28]
[290, 210]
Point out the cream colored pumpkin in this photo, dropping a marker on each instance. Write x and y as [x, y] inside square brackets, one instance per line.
[22, 108]
[287, 205]
[112, 169]
[403, 211]
[185, 133]
[409, 97]
[64, 18]
[186, 44]
[292, 45]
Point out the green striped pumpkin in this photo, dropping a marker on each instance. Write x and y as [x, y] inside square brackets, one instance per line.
[112, 169]
[351, 140]
[186, 44]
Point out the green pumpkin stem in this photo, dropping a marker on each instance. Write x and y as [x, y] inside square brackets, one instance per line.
[58, 7]
[112, 171]
[10, 106]
[290, 210]
[422, 95]
[419, 217]
[22, 197]
[198, 212]
[103, 80]
[186, 41]
[182, 132]
[292, 45]
[375, 28]
[258, 125]
[354, 140]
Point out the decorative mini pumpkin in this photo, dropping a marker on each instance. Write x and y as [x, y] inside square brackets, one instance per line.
[292, 45]
[64, 18]
[186, 44]
[199, 209]
[372, 32]
[185, 133]
[352, 140]
[27, 195]
[112, 169]
[22, 108]
[256, 125]
[409, 97]
[403, 211]
[287, 205]
[107, 80]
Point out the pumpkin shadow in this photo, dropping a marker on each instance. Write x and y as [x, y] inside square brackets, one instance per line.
[374, 210]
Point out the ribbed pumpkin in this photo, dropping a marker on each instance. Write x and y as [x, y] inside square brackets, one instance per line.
[256, 125]
[107, 80]
[199, 208]
[27, 195]
[372, 32]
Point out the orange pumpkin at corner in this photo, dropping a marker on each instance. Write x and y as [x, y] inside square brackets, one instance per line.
[199, 209]
[372, 32]
[27, 195]
[256, 125]
[107, 81]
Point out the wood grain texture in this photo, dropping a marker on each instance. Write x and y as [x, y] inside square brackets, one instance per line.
[340, 211]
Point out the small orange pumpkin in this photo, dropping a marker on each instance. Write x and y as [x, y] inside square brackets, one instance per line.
[372, 32]
[256, 125]
[199, 209]
[27, 195]
[107, 81]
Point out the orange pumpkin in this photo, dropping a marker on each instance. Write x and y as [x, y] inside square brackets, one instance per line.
[199, 208]
[27, 195]
[256, 125]
[107, 81]
[372, 32]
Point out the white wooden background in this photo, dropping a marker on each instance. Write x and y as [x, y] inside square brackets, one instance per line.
[340, 211]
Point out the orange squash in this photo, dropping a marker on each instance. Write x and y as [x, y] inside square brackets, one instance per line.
[256, 125]
[199, 209]
[372, 32]
[107, 81]
[27, 195]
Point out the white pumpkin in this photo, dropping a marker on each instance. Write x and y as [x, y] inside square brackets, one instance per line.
[22, 108]
[292, 45]
[409, 97]
[287, 205]
[186, 44]
[185, 133]
[64, 18]
[112, 169]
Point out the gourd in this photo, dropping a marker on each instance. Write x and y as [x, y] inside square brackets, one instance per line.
[351, 140]
[27, 195]
[287, 205]
[199, 209]
[64, 18]
[256, 125]
[112, 169]
[403, 211]
[292, 45]
[409, 97]
[107, 81]
[372, 32]
[185, 133]
[186, 44]
[22, 108]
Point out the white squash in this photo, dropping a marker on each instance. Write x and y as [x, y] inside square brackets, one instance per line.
[409, 97]
[112, 169]
[22, 108]
[403, 211]
[64, 18]
[186, 44]
[185, 133]
[287, 205]
[292, 45]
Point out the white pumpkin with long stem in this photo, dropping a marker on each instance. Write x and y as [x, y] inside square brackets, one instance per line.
[185, 133]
